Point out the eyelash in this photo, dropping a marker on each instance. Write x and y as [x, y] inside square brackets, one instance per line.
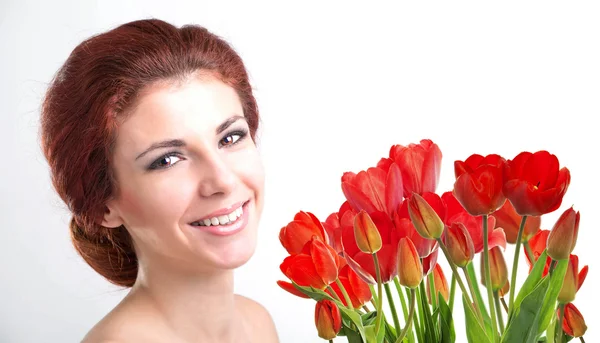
[156, 164]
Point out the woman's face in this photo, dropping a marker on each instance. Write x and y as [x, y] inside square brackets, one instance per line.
[190, 177]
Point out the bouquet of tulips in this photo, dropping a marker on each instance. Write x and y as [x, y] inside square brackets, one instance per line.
[384, 242]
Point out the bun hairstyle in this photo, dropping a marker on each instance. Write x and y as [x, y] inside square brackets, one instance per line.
[88, 97]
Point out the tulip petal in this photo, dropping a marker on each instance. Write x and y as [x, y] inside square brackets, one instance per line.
[301, 270]
[290, 288]
[362, 273]
[394, 190]
[324, 261]
[357, 199]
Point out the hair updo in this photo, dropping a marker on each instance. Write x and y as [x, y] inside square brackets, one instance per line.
[93, 89]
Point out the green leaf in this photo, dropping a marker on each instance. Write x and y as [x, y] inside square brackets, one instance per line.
[315, 293]
[447, 323]
[487, 321]
[430, 331]
[352, 336]
[355, 318]
[532, 280]
[531, 316]
[475, 332]
[549, 305]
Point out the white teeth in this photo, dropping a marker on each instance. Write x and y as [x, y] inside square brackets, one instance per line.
[221, 220]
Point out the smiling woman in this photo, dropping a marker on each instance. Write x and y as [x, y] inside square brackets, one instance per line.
[149, 132]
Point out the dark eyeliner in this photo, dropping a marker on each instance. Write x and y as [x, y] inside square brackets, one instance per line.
[240, 132]
[155, 165]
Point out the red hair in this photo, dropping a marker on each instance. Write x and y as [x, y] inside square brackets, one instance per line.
[95, 87]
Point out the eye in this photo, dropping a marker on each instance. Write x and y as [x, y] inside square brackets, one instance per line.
[232, 138]
[165, 161]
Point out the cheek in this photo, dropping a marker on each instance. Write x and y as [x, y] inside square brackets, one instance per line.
[250, 169]
[159, 202]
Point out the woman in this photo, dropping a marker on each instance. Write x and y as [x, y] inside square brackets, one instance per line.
[149, 131]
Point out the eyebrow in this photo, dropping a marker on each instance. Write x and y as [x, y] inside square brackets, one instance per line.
[175, 143]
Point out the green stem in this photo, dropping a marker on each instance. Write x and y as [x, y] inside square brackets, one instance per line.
[529, 252]
[488, 278]
[331, 341]
[373, 292]
[410, 316]
[346, 296]
[421, 316]
[388, 292]
[334, 294]
[379, 295]
[472, 289]
[455, 271]
[432, 291]
[559, 332]
[499, 311]
[452, 292]
[366, 308]
[581, 339]
[471, 272]
[401, 296]
[513, 279]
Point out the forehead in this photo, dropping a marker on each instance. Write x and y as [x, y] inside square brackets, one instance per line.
[194, 107]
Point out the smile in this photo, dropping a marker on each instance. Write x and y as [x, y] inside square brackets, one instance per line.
[225, 224]
[225, 219]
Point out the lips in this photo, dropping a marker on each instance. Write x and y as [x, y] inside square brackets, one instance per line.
[223, 216]
[241, 215]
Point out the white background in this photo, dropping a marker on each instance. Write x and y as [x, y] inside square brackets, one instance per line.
[337, 85]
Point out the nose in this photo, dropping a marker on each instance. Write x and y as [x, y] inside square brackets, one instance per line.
[216, 176]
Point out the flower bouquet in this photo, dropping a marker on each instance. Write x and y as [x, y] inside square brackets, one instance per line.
[385, 239]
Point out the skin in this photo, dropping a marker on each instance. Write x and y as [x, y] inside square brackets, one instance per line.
[184, 290]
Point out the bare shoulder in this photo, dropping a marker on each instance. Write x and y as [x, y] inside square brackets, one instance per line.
[259, 318]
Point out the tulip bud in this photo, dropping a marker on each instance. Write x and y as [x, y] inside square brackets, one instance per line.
[563, 236]
[459, 244]
[440, 284]
[328, 319]
[504, 290]
[498, 269]
[573, 322]
[424, 218]
[410, 270]
[572, 281]
[366, 233]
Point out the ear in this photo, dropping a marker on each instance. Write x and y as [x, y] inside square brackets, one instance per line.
[112, 219]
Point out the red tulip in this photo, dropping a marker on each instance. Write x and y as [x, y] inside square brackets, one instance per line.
[328, 319]
[573, 280]
[374, 189]
[420, 165]
[362, 263]
[478, 185]
[537, 243]
[406, 228]
[563, 236]
[440, 284]
[573, 323]
[498, 269]
[300, 231]
[358, 290]
[534, 184]
[316, 265]
[474, 224]
[459, 244]
[410, 269]
[509, 220]
[366, 233]
[424, 217]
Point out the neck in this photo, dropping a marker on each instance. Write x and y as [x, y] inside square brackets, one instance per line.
[195, 306]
